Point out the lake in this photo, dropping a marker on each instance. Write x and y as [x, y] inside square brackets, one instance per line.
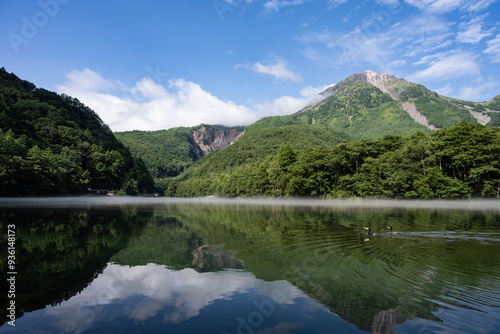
[161, 265]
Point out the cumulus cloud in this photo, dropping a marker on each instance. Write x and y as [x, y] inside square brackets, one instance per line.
[176, 296]
[286, 105]
[151, 106]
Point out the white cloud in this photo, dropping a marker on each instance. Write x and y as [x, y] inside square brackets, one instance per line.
[445, 66]
[275, 5]
[477, 5]
[481, 92]
[335, 3]
[447, 89]
[436, 6]
[388, 2]
[494, 49]
[446, 6]
[175, 296]
[287, 105]
[150, 106]
[472, 32]
[279, 70]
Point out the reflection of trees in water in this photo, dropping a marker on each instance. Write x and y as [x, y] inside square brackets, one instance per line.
[60, 251]
[374, 285]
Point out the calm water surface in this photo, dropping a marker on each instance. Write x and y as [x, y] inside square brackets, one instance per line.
[101, 265]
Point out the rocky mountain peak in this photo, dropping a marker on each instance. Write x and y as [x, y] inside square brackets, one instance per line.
[383, 81]
[378, 79]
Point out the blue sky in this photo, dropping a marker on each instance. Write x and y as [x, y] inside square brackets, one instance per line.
[152, 65]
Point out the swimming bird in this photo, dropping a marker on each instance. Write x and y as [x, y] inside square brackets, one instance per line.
[391, 231]
[369, 231]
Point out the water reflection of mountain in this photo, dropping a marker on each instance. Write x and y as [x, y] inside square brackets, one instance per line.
[375, 285]
[440, 259]
[61, 251]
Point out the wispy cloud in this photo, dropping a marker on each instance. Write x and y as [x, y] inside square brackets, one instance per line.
[271, 6]
[279, 69]
[493, 49]
[446, 6]
[448, 66]
[335, 3]
[473, 32]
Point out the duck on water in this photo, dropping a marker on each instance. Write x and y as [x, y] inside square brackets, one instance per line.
[369, 231]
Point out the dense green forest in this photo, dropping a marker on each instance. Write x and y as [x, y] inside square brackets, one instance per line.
[457, 162]
[254, 146]
[52, 144]
[168, 153]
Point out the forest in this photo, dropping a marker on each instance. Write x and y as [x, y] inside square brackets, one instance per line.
[462, 161]
[53, 144]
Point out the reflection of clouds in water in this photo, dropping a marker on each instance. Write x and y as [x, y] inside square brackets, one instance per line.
[181, 293]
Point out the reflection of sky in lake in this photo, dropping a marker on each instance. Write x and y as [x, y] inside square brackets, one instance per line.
[154, 298]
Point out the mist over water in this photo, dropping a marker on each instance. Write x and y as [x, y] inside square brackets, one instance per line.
[467, 205]
[128, 264]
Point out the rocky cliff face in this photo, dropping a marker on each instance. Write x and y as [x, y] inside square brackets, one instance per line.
[211, 139]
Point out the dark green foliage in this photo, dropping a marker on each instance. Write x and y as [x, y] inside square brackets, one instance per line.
[457, 162]
[53, 144]
[440, 112]
[167, 153]
[495, 119]
[493, 103]
[245, 154]
[412, 91]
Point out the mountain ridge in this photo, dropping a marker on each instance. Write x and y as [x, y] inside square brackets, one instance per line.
[426, 108]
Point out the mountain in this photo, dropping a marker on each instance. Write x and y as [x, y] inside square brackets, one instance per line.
[52, 144]
[405, 142]
[371, 105]
[168, 153]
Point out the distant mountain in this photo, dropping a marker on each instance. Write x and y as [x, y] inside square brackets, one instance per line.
[52, 144]
[371, 105]
[168, 153]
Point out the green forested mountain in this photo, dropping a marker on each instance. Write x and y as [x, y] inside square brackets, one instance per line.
[52, 144]
[457, 162]
[168, 153]
[372, 105]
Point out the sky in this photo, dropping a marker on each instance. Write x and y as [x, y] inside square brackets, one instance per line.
[152, 65]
